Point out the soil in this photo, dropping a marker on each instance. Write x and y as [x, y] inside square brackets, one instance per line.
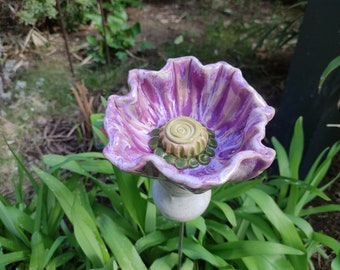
[162, 22]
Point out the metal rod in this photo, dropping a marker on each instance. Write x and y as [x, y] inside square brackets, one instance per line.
[180, 245]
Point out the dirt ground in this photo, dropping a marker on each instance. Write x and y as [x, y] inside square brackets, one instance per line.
[162, 22]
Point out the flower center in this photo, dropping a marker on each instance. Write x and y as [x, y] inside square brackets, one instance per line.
[184, 142]
[183, 137]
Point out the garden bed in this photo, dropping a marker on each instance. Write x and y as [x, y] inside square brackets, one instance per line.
[39, 113]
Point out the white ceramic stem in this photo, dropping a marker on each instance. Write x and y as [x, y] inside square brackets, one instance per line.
[177, 203]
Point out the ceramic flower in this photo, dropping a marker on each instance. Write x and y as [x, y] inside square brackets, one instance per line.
[189, 112]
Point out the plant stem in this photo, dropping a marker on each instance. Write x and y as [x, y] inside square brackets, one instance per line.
[63, 28]
[104, 32]
[180, 245]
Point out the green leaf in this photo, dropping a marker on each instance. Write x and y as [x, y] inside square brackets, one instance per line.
[52, 249]
[268, 262]
[60, 260]
[152, 239]
[196, 224]
[327, 241]
[261, 223]
[37, 257]
[241, 249]
[296, 149]
[80, 163]
[320, 209]
[222, 229]
[334, 64]
[13, 257]
[179, 39]
[316, 174]
[165, 263]
[282, 158]
[304, 226]
[336, 263]
[123, 250]
[282, 223]
[190, 265]
[11, 244]
[227, 211]
[21, 219]
[230, 191]
[195, 251]
[150, 218]
[135, 204]
[92, 40]
[8, 221]
[88, 237]
[65, 197]
[302, 185]
[22, 167]
[84, 226]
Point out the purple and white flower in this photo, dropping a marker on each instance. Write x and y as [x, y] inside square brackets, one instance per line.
[215, 95]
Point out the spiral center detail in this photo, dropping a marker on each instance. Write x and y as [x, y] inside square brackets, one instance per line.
[183, 142]
[183, 130]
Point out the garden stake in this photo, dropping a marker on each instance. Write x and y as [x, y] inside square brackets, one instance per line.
[180, 245]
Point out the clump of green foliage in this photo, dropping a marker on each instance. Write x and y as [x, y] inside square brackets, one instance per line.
[114, 33]
[34, 10]
[87, 214]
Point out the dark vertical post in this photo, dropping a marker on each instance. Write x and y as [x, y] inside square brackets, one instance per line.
[63, 29]
[108, 60]
[318, 44]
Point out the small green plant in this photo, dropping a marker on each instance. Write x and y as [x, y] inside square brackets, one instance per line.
[87, 214]
[74, 12]
[37, 10]
[116, 33]
[277, 33]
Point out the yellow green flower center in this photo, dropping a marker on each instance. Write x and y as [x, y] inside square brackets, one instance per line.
[183, 142]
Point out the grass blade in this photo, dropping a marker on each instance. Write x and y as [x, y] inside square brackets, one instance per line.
[328, 241]
[165, 263]
[88, 237]
[221, 229]
[227, 211]
[52, 249]
[79, 163]
[65, 197]
[131, 196]
[230, 191]
[296, 149]
[320, 209]
[9, 258]
[8, 221]
[282, 158]
[282, 223]
[22, 167]
[241, 249]
[123, 250]
[334, 64]
[37, 256]
[153, 239]
[85, 229]
[196, 251]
